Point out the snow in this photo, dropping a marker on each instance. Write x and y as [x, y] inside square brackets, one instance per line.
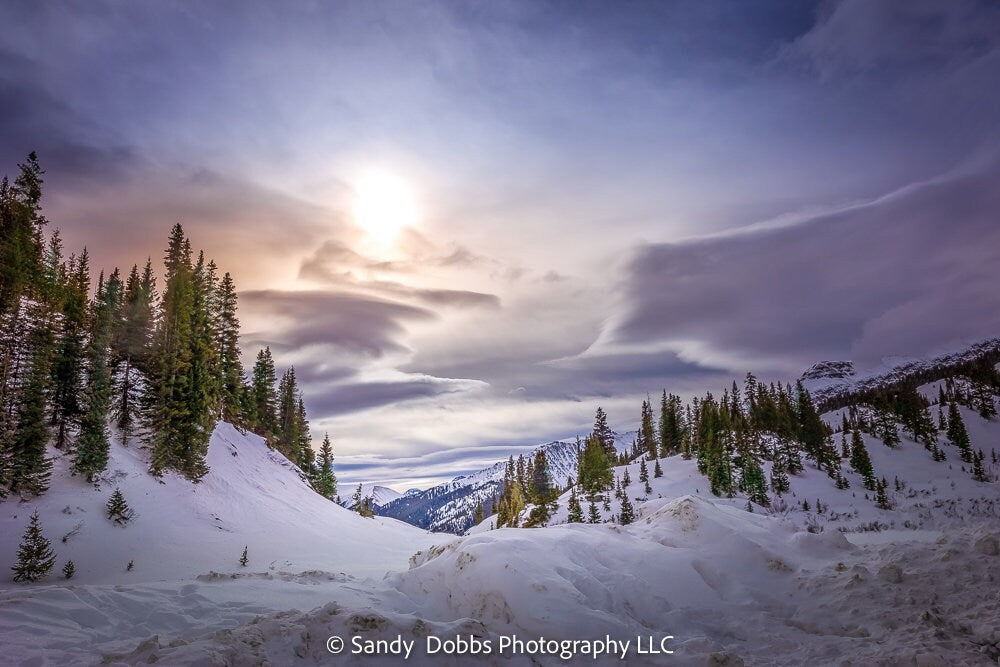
[380, 495]
[781, 587]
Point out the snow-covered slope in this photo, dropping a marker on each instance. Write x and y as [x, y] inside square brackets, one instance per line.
[451, 507]
[252, 496]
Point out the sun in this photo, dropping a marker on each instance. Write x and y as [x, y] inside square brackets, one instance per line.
[384, 205]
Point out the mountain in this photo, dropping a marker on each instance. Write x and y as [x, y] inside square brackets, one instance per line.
[451, 507]
[834, 383]
[380, 495]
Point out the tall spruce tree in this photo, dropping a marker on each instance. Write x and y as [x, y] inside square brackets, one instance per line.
[957, 435]
[264, 416]
[860, 460]
[230, 365]
[92, 443]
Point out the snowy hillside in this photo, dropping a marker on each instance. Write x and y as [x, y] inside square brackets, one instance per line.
[451, 507]
[251, 497]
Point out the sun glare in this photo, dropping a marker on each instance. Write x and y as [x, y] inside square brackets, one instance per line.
[384, 205]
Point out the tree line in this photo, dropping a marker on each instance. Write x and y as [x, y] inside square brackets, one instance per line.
[158, 361]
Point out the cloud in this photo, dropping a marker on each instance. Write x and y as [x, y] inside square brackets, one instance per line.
[353, 323]
[856, 37]
[904, 274]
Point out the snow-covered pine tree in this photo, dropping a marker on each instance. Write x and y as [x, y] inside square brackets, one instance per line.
[244, 559]
[593, 514]
[34, 555]
[69, 569]
[657, 470]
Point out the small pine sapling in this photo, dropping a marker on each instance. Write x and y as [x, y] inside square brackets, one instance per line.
[244, 559]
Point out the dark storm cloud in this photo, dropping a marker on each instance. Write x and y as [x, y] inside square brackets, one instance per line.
[916, 270]
[359, 324]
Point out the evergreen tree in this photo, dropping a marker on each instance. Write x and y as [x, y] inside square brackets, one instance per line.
[357, 498]
[604, 434]
[244, 558]
[131, 349]
[593, 515]
[595, 473]
[860, 460]
[978, 471]
[69, 569]
[326, 481]
[230, 366]
[779, 477]
[647, 436]
[644, 476]
[306, 457]
[957, 435]
[287, 437]
[881, 497]
[479, 513]
[627, 515]
[92, 444]
[575, 511]
[117, 509]
[753, 483]
[264, 417]
[30, 468]
[180, 392]
[657, 470]
[34, 555]
[67, 364]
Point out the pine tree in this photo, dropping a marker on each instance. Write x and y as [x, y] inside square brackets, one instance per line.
[67, 363]
[779, 477]
[117, 509]
[753, 483]
[593, 515]
[230, 366]
[647, 436]
[244, 559]
[604, 434]
[306, 457]
[594, 474]
[30, 467]
[357, 498]
[92, 443]
[860, 460]
[131, 347]
[575, 511]
[626, 479]
[287, 437]
[657, 470]
[978, 471]
[479, 513]
[627, 515]
[264, 417]
[957, 435]
[881, 497]
[69, 569]
[34, 556]
[326, 480]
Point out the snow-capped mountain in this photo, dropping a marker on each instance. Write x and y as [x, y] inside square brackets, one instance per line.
[380, 495]
[831, 381]
[451, 507]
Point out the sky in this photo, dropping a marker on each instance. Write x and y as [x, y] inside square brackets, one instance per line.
[469, 224]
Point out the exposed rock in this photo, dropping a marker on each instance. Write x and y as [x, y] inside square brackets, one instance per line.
[891, 573]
